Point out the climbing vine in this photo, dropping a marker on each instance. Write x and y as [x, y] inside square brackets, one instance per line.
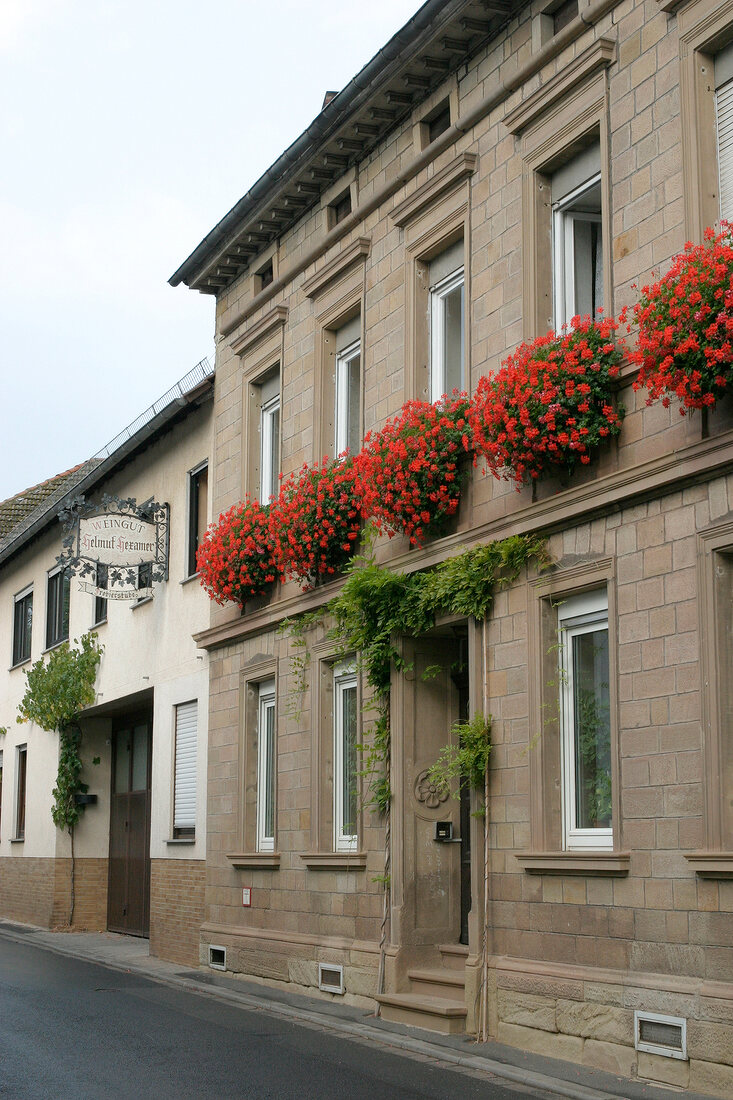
[376, 606]
[57, 690]
[465, 758]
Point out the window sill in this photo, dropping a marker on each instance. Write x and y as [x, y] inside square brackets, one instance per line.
[334, 861]
[17, 840]
[19, 664]
[711, 864]
[54, 645]
[574, 863]
[253, 860]
[141, 603]
[188, 580]
[96, 626]
[181, 840]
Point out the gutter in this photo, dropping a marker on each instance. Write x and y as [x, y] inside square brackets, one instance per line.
[102, 469]
[590, 15]
[327, 122]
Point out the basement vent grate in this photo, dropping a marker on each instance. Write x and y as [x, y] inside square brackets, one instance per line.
[217, 957]
[331, 978]
[665, 1035]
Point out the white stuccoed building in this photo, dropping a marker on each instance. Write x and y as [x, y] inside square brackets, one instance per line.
[140, 846]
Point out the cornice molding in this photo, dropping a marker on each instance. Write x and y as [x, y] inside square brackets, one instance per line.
[444, 179]
[595, 58]
[260, 330]
[335, 268]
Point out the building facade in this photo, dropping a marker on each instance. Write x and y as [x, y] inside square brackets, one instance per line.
[493, 171]
[140, 845]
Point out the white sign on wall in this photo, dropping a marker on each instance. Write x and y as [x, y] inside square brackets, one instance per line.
[118, 548]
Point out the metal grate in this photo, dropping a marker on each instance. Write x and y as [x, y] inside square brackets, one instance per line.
[658, 1034]
[330, 978]
[217, 957]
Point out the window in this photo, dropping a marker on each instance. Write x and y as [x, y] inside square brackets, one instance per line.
[22, 623]
[144, 579]
[184, 782]
[57, 608]
[339, 209]
[447, 353]
[269, 437]
[265, 276]
[724, 128]
[348, 387]
[585, 722]
[266, 768]
[577, 237]
[344, 758]
[100, 602]
[21, 761]
[438, 121]
[198, 483]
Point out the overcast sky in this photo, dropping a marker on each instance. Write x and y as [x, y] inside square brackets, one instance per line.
[129, 128]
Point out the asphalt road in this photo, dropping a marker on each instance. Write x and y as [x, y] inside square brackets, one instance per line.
[70, 1028]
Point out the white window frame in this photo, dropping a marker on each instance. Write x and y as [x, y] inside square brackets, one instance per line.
[185, 767]
[344, 679]
[563, 248]
[438, 293]
[266, 767]
[577, 615]
[268, 474]
[344, 359]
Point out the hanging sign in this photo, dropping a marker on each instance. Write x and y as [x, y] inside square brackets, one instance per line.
[118, 548]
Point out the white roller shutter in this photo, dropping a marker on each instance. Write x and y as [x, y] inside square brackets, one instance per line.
[724, 118]
[184, 800]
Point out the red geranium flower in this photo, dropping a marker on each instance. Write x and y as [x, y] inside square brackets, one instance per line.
[409, 472]
[316, 519]
[236, 556]
[550, 402]
[685, 344]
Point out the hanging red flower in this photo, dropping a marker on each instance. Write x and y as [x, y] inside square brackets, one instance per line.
[236, 556]
[685, 343]
[316, 520]
[409, 472]
[550, 402]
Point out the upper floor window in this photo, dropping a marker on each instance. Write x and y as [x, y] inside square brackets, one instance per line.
[198, 483]
[577, 237]
[100, 602]
[269, 436]
[348, 387]
[344, 758]
[57, 607]
[339, 209]
[585, 721]
[724, 124]
[266, 758]
[22, 623]
[446, 310]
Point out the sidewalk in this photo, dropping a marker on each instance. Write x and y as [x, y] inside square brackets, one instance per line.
[130, 954]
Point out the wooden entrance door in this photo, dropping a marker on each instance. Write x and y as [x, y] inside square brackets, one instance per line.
[128, 907]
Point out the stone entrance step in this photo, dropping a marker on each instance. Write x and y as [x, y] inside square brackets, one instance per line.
[432, 1013]
[441, 982]
[454, 955]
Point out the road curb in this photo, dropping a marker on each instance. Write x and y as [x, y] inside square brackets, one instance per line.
[364, 1032]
